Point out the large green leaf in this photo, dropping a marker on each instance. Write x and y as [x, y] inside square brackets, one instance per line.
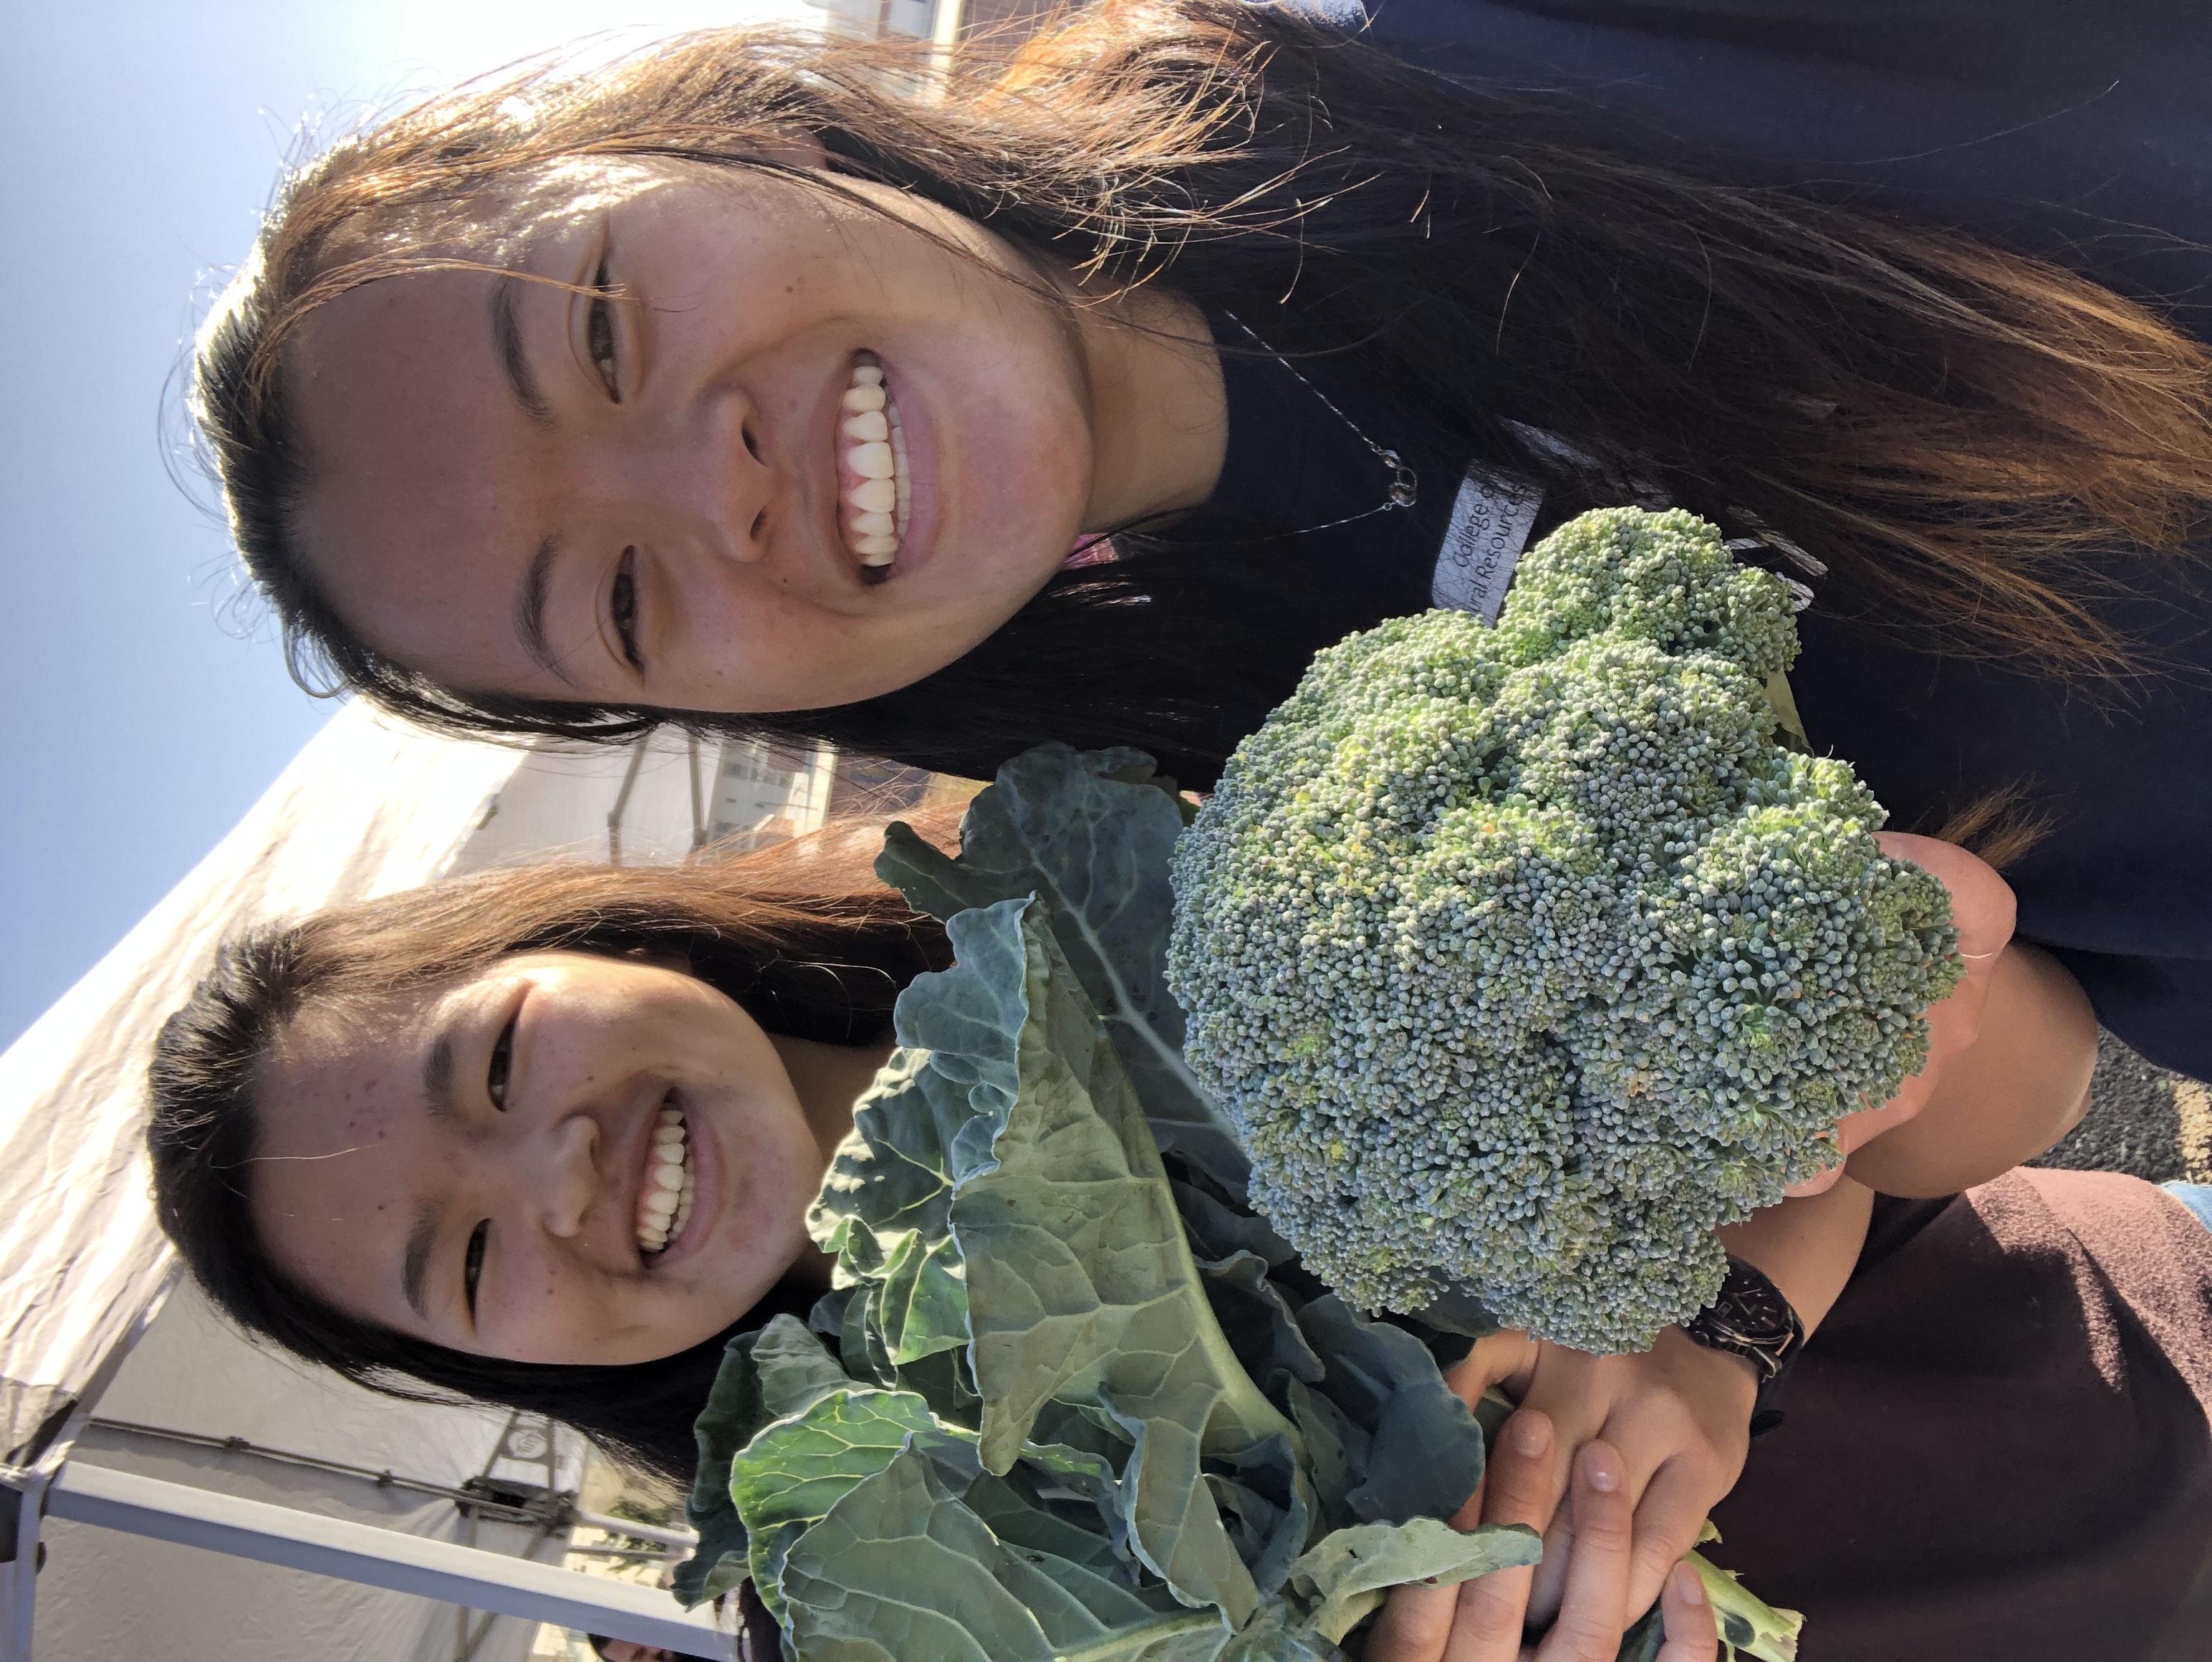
[796, 1469]
[1090, 832]
[1335, 1587]
[1425, 1451]
[927, 1120]
[1260, 1320]
[1279, 1632]
[1082, 1288]
[900, 1569]
[764, 1375]
[793, 1369]
[1349, 1571]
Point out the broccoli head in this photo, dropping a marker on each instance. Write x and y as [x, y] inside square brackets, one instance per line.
[1523, 957]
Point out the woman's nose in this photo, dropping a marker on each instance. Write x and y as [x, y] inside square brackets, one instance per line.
[568, 1178]
[707, 483]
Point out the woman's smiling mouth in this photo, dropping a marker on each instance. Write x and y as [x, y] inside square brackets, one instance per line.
[874, 476]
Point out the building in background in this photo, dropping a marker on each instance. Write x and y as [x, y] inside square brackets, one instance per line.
[670, 797]
[1014, 20]
[764, 795]
[942, 20]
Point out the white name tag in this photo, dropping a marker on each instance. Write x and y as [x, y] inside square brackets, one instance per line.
[1490, 526]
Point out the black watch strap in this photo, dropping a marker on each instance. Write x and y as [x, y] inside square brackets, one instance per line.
[1750, 1318]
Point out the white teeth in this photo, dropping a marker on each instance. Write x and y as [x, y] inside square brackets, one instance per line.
[900, 473]
[664, 1201]
[877, 506]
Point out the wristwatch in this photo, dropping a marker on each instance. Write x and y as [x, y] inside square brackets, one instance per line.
[1750, 1318]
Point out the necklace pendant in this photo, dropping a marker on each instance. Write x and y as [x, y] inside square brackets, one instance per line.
[1404, 487]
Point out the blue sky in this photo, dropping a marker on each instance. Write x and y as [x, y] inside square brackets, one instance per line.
[147, 710]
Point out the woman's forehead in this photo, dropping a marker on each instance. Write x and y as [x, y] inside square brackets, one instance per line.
[550, 198]
[346, 1045]
[573, 189]
[501, 222]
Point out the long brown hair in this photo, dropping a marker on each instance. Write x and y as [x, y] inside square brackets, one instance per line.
[802, 937]
[1955, 430]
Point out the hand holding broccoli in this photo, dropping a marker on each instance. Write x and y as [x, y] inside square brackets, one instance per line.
[1982, 909]
[1480, 1621]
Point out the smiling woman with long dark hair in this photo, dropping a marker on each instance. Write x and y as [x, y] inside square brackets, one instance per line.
[768, 383]
[453, 1063]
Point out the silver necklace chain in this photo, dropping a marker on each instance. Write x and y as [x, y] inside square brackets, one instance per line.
[1405, 485]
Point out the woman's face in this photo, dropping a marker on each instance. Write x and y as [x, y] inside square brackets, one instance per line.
[564, 1157]
[804, 456]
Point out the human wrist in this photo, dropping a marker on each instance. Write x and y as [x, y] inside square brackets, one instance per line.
[1806, 1247]
[1751, 1319]
[1728, 1382]
[1720, 1363]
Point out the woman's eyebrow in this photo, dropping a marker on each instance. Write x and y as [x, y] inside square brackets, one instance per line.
[530, 610]
[437, 1078]
[429, 1217]
[506, 347]
[414, 1268]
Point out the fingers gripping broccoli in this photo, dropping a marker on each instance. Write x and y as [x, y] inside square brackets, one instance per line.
[1525, 957]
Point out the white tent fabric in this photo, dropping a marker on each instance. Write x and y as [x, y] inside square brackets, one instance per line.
[366, 808]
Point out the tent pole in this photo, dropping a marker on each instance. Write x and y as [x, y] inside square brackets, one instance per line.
[388, 1558]
[26, 1488]
[621, 800]
[19, 1571]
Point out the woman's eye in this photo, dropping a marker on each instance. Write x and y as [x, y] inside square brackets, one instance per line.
[621, 607]
[502, 1059]
[599, 333]
[472, 1264]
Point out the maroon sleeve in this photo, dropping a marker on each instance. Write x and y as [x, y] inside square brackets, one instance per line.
[1996, 1447]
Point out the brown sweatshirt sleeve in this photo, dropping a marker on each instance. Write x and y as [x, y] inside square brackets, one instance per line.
[1996, 1447]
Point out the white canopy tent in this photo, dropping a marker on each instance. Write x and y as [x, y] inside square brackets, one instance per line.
[367, 808]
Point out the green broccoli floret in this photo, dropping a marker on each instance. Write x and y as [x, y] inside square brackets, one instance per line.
[1524, 957]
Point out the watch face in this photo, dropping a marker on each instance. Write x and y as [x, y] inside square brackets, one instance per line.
[1755, 1306]
[1750, 1318]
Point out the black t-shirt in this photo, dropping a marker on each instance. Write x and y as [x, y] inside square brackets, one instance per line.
[2088, 143]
